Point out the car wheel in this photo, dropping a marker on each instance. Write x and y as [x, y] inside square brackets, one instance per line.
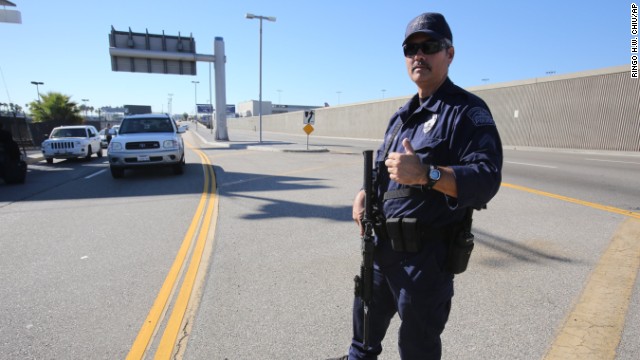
[178, 168]
[88, 157]
[116, 172]
[49, 160]
[14, 172]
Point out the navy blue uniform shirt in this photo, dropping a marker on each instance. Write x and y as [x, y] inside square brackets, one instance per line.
[451, 128]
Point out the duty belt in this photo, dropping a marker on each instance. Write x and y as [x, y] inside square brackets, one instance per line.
[402, 193]
[408, 235]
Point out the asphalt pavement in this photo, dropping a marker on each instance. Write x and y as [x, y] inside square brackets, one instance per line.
[285, 253]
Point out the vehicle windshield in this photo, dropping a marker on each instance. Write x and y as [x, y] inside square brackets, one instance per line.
[66, 133]
[146, 125]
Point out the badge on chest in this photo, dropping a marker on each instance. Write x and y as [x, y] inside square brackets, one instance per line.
[428, 125]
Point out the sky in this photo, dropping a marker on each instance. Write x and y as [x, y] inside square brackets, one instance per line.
[338, 52]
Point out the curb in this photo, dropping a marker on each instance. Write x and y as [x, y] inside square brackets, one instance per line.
[274, 147]
[34, 160]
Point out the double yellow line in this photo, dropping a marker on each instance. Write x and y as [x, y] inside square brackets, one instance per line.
[593, 328]
[575, 201]
[198, 231]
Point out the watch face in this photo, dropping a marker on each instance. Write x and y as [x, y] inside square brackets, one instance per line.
[434, 174]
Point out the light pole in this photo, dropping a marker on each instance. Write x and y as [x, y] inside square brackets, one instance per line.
[195, 86]
[36, 83]
[169, 103]
[383, 90]
[85, 108]
[210, 103]
[279, 101]
[338, 92]
[268, 18]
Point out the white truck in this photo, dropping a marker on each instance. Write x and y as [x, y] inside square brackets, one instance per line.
[68, 142]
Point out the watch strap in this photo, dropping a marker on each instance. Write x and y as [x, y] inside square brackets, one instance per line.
[430, 181]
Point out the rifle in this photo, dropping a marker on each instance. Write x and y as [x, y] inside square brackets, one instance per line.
[364, 281]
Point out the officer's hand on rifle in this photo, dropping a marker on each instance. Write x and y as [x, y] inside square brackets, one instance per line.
[358, 210]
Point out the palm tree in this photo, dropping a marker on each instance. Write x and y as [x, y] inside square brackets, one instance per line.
[56, 106]
[15, 109]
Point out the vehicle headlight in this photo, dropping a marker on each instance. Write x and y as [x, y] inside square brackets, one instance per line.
[170, 144]
[115, 146]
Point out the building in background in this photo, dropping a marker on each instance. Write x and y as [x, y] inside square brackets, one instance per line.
[250, 108]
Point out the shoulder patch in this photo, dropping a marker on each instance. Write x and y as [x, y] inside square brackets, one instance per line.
[480, 117]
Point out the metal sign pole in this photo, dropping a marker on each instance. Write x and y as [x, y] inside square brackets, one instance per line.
[221, 91]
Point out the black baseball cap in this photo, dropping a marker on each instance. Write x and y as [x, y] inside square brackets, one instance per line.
[432, 24]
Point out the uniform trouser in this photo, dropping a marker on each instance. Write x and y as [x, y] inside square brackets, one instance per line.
[420, 292]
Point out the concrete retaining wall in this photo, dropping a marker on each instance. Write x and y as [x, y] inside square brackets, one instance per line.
[596, 110]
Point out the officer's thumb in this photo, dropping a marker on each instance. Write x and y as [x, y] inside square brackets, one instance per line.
[408, 149]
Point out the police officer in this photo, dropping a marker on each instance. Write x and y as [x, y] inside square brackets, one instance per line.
[441, 156]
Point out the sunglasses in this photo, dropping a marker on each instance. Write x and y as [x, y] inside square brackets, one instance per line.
[427, 48]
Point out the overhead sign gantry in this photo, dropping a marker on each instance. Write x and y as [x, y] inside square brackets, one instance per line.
[9, 16]
[167, 54]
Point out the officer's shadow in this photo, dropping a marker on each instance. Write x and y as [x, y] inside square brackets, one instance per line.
[502, 252]
[291, 209]
[235, 184]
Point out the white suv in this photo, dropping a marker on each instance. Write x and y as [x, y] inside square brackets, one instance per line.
[66, 142]
[146, 140]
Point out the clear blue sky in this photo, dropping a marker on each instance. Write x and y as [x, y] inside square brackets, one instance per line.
[338, 52]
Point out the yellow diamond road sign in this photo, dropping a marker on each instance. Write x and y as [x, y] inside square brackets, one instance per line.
[308, 129]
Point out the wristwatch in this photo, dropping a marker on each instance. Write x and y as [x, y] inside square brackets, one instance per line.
[432, 177]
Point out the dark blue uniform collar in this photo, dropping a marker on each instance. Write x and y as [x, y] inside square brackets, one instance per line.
[432, 104]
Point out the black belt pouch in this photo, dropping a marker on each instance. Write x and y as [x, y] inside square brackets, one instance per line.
[404, 235]
[460, 252]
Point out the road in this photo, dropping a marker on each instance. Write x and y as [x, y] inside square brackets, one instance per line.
[84, 257]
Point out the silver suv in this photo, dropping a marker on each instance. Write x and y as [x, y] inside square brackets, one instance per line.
[146, 140]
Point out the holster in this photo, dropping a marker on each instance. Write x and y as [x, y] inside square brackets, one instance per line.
[460, 246]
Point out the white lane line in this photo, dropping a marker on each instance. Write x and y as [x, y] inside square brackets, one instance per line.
[615, 161]
[95, 174]
[526, 164]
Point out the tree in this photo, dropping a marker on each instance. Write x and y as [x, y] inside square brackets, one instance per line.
[15, 109]
[56, 106]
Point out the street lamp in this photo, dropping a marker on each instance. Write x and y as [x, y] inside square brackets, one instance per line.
[195, 114]
[383, 90]
[268, 18]
[85, 107]
[338, 92]
[36, 83]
